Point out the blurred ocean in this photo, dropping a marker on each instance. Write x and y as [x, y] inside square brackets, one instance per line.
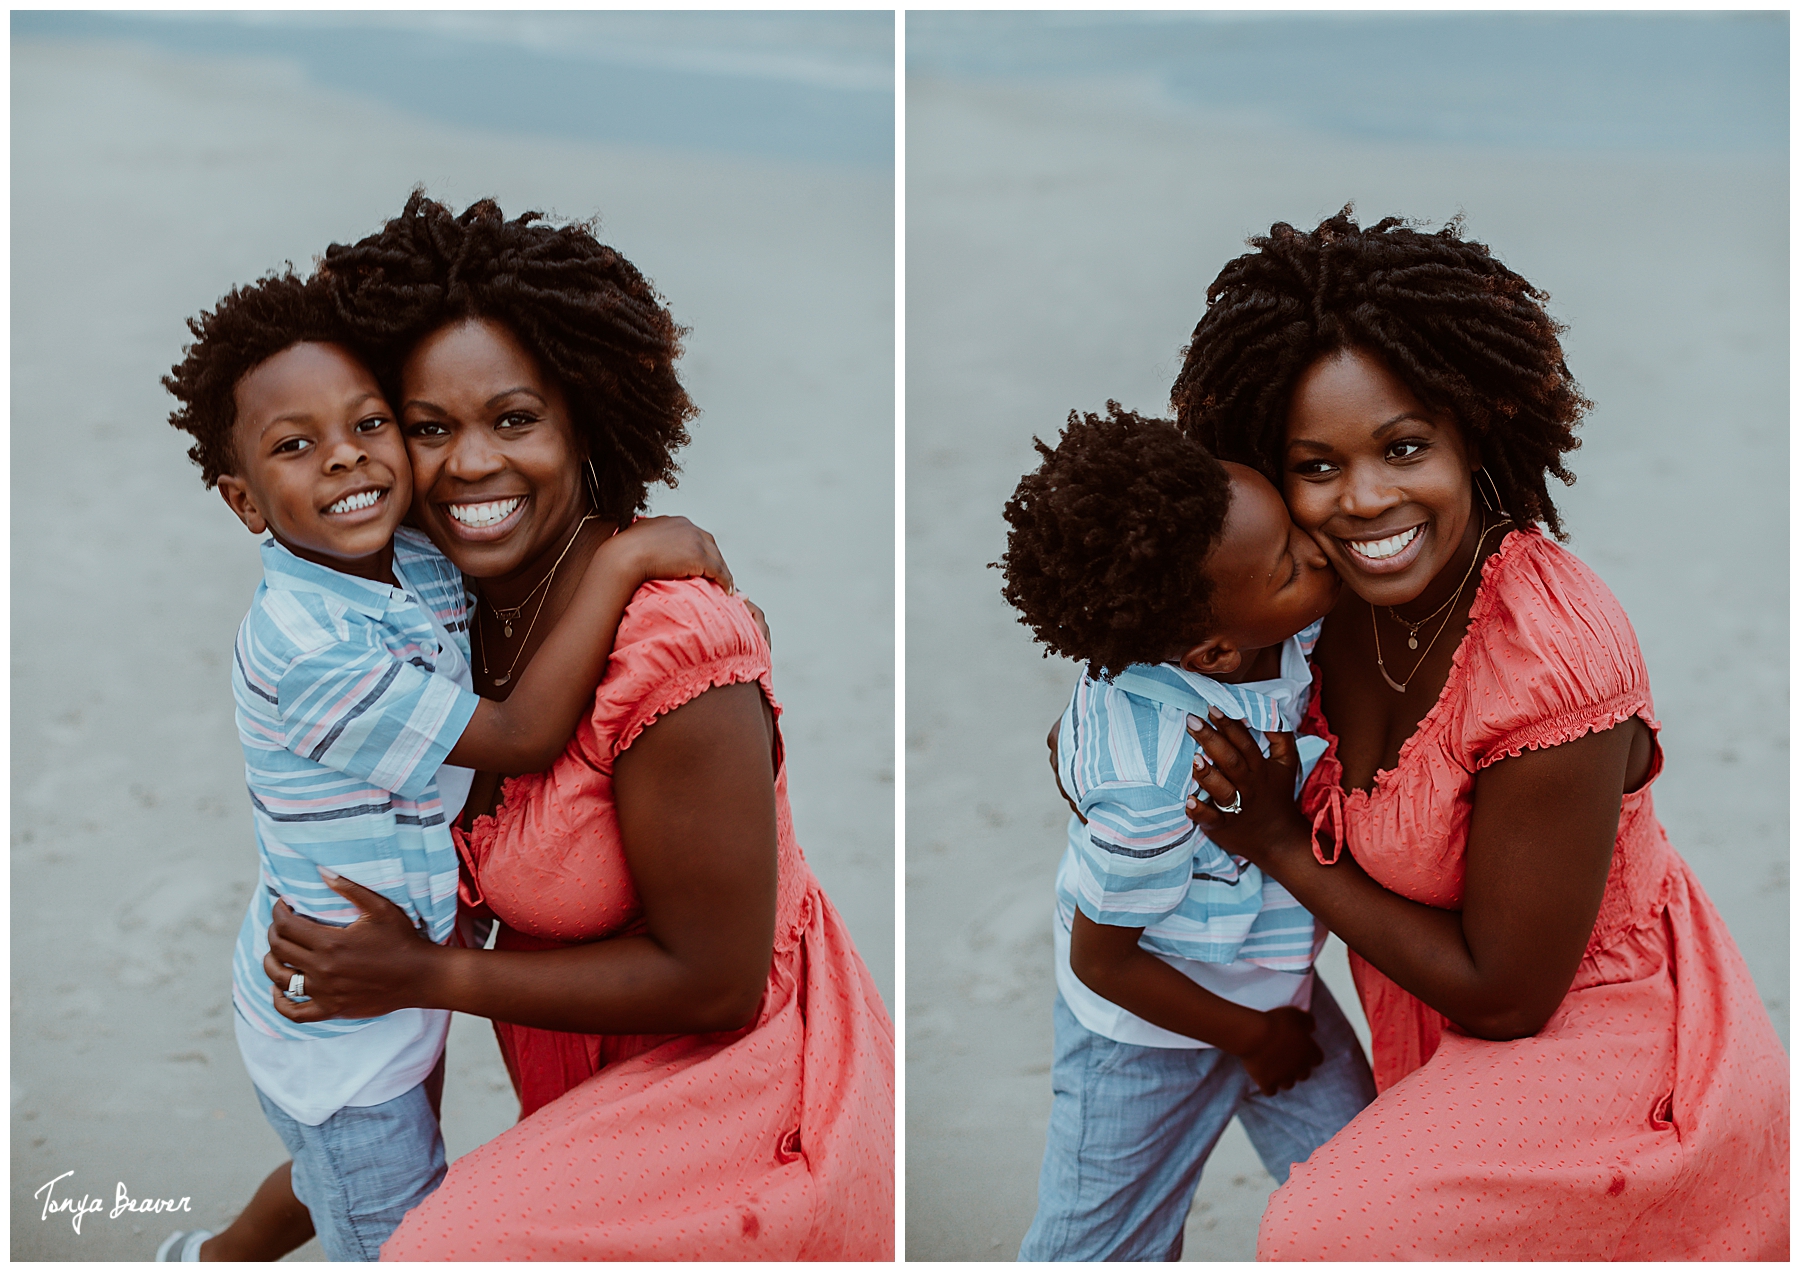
[1683, 82]
[808, 85]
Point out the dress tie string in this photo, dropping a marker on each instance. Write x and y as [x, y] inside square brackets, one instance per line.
[1332, 812]
[468, 886]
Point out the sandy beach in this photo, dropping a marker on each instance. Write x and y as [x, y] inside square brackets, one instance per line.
[1060, 239]
[147, 182]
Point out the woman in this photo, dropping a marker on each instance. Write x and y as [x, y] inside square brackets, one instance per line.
[704, 1067]
[1573, 1060]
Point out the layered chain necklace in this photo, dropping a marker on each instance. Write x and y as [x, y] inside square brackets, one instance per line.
[507, 617]
[1412, 629]
[1412, 634]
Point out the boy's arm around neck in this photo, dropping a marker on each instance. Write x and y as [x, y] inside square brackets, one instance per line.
[529, 730]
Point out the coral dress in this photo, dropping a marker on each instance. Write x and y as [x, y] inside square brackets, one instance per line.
[772, 1142]
[1649, 1118]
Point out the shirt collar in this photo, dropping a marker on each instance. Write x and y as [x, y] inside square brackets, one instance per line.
[1263, 704]
[1280, 700]
[284, 571]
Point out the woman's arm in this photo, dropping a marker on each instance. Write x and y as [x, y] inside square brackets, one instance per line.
[526, 733]
[1540, 844]
[695, 795]
[1050, 740]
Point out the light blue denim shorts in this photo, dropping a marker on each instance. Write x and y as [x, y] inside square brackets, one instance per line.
[1131, 1127]
[360, 1170]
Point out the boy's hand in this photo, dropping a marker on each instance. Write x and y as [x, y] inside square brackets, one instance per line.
[1286, 1052]
[668, 548]
[762, 620]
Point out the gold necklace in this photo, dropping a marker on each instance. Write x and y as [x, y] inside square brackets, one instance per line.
[1412, 629]
[507, 623]
[506, 616]
[1400, 686]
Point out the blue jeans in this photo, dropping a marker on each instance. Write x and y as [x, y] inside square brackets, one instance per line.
[360, 1170]
[1132, 1126]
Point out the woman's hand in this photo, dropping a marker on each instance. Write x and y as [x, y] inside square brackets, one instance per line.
[1230, 766]
[668, 548]
[1056, 769]
[379, 963]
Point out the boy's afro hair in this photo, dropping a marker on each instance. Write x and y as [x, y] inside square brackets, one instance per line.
[248, 326]
[591, 320]
[1461, 330]
[1109, 536]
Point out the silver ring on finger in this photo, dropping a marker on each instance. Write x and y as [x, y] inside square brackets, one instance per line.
[296, 989]
[1235, 806]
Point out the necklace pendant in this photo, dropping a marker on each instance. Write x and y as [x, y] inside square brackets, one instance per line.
[506, 629]
[1412, 642]
[500, 680]
[1391, 683]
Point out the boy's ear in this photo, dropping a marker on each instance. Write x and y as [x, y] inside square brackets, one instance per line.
[1214, 656]
[237, 498]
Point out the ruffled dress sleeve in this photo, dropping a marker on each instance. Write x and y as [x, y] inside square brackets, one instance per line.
[1553, 658]
[678, 639]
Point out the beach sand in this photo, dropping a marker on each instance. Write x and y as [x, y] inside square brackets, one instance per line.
[145, 184]
[1059, 244]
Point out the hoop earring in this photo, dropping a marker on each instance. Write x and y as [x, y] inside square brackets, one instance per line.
[1494, 504]
[593, 483]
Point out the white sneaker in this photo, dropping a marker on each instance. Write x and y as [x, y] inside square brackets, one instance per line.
[182, 1247]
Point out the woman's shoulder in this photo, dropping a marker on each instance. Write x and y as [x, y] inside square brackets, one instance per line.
[678, 638]
[1541, 596]
[1551, 651]
[688, 620]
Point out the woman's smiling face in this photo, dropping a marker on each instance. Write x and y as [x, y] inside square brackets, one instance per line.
[496, 462]
[1383, 483]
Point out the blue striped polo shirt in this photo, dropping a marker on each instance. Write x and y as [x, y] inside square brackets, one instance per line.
[1125, 758]
[344, 723]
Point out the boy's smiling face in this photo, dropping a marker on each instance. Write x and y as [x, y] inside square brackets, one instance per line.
[1270, 580]
[320, 461]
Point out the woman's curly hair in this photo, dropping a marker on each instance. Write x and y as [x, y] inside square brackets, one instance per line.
[248, 326]
[1464, 333]
[587, 315]
[1109, 536]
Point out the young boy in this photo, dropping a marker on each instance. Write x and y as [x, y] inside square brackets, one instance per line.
[1185, 990]
[360, 734]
